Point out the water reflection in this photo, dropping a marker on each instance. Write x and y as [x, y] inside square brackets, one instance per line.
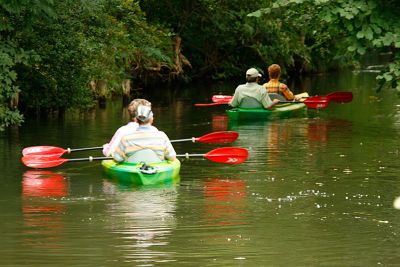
[43, 214]
[143, 218]
[276, 140]
[225, 201]
[219, 122]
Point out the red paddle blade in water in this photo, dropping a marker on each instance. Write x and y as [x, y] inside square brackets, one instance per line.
[340, 97]
[228, 155]
[40, 162]
[42, 150]
[218, 137]
[317, 102]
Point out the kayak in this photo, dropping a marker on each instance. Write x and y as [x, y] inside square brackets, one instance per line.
[285, 110]
[165, 172]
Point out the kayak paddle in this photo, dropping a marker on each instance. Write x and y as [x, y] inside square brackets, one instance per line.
[211, 138]
[52, 150]
[227, 155]
[221, 98]
[311, 102]
[48, 162]
[210, 104]
[338, 97]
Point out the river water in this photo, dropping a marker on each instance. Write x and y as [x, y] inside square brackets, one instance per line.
[316, 190]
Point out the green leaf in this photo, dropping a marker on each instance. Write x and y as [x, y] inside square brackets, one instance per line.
[256, 14]
[360, 35]
[376, 29]
[351, 48]
[361, 50]
[388, 77]
[349, 27]
[369, 35]
[387, 39]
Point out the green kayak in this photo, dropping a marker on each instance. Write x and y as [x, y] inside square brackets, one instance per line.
[165, 172]
[285, 110]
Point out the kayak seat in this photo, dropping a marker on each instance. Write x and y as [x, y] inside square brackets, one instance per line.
[146, 156]
[250, 102]
[277, 96]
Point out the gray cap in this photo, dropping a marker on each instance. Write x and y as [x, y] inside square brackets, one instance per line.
[253, 72]
[143, 113]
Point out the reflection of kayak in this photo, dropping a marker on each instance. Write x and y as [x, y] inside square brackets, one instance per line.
[139, 174]
[286, 110]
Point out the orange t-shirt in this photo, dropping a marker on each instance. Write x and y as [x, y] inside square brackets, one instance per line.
[274, 86]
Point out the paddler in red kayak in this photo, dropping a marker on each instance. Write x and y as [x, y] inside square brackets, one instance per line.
[251, 94]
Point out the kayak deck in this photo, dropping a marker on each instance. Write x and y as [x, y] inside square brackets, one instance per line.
[165, 172]
[285, 110]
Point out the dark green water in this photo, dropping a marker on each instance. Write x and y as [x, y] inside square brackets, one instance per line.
[315, 191]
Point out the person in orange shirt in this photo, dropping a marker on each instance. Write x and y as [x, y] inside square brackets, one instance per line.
[275, 86]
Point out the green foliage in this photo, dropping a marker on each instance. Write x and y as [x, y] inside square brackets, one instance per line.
[146, 46]
[9, 117]
[49, 52]
[15, 16]
[391, 76]
[343, 30]
[213, 33]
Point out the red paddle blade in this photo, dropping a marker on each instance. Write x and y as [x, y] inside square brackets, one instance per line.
[340, 97]
[44, 156]
[317, 102]
[223, 99]
[218, 137]
[38, 162]
[228, 155]
[42, 150]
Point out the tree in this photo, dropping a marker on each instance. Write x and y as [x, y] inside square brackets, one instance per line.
[352, 27]
[50, 52]
[16, 15]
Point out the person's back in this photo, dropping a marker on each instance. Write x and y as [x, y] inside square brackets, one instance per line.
[251, 94]
[275, 86]
[146, 137]
[109, 148]
[143, 138]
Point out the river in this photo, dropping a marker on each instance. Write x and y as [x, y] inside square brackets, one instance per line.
[316, 190]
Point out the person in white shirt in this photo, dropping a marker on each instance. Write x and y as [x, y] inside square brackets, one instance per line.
[146, 144]
[251, 94]
[109, 148]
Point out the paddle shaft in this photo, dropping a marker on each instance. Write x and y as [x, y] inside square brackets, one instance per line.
[89, 159]
[83, 149]
[193, 139]
[190, 155]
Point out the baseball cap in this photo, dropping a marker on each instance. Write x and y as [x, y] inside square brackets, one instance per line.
[143, 113]
[252, 72]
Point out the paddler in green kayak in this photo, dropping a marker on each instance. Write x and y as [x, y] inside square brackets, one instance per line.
[146, 144]
[251, 94]
[130, 127]
[274, 86]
